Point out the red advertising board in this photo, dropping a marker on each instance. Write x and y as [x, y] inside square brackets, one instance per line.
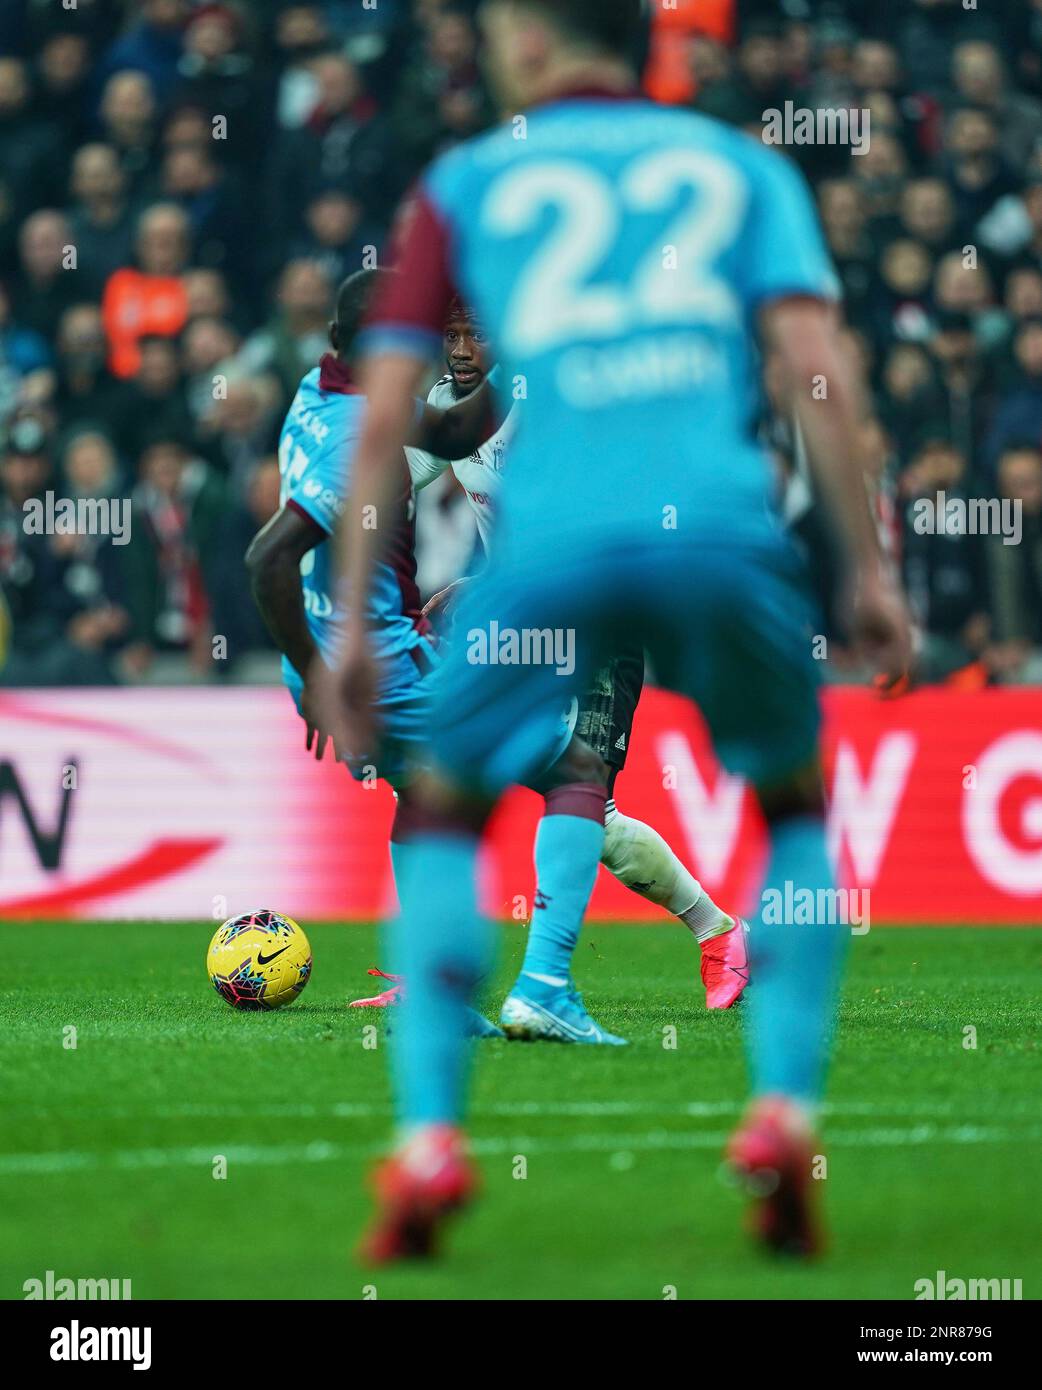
[182, 803]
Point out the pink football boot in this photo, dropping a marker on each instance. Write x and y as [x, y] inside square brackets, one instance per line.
[725, 966]
[394, 995]
[416, 1189]
[772, 1152]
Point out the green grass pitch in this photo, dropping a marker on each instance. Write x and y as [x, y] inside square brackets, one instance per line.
[107, 1151]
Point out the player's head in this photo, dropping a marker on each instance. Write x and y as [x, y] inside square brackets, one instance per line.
[466, 349]
[353, 301]
[533, 43]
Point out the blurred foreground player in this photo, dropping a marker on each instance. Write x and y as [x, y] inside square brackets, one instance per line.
[644, 367]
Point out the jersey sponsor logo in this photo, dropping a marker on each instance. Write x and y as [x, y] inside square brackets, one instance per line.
[314, 490]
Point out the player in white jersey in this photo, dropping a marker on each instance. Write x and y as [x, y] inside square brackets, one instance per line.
[634, 852]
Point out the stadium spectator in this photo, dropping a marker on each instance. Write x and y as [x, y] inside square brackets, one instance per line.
[442, 96]
[1015, 572]
[979, 78]
[31, 145]
[1018, 410]
[46, 282]
[217, 74]
[217, 211]
[177, 507]
[207, 294]
[63, 591]
[148, 298]
[101, 218]
[153, 400]
[344, 140]
[63, 71]
[927, 212]
[23, 351]
[757, 81]
[85, 389]
[152, 43]
[338, 235]
[943, 569]
[235, 615]
[297, 334]
[128, 123]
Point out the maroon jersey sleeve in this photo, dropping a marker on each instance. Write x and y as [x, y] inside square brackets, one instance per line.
[410, 311]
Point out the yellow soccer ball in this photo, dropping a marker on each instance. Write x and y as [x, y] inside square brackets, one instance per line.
[259, 960]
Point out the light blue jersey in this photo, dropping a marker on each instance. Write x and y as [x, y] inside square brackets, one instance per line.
[315, 450]
[616, 253]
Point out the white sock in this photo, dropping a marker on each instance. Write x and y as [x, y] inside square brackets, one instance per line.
[639, 857]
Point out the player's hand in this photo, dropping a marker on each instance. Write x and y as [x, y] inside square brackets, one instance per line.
[316, 738]
[356, 684]
[438, 604]
[341, 700]
[881, 627]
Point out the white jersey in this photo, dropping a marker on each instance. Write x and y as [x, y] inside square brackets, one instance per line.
[480, 474]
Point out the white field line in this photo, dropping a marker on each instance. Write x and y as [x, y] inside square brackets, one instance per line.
[615, 1145]
[534, 1109]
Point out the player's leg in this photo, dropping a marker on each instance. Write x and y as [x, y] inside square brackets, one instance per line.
[797, 965]
[493, 723]
[636, 854]
[405, 714]
[441, 943]
[544, 1002]
[754, 677]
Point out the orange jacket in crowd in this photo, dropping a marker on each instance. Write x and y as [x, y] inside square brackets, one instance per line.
[668, 74]
[136, 305]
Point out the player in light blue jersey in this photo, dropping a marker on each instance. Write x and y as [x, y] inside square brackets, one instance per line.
[292, 567]
[293, 575]
[627, 261]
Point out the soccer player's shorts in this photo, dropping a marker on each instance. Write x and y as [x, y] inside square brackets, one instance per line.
[607, 707]
[403, 708]
[729, 626]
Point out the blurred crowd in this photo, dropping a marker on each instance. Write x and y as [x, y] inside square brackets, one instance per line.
[183, 185]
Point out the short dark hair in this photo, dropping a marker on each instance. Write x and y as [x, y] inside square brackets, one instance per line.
[618, 26]
[353, 300]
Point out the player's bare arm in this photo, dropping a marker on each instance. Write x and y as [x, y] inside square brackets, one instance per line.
[458, 430]
[804, 333]
[273, 563]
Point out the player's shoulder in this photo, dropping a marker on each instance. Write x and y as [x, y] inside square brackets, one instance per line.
[448, 178]
[441, 393]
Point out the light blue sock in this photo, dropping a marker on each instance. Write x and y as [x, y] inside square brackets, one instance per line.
[795, 967]
[443, 946]
[567, 852]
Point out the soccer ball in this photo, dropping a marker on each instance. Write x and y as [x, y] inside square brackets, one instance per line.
[259, 960]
